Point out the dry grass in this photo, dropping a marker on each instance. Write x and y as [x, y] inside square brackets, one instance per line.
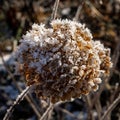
[102, 17]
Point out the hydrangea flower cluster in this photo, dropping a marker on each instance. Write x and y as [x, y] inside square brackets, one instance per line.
[63, 61]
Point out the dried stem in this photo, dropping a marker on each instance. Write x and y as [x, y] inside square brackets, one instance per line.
[54, 12]
[94, 9]
[28, 97]
[19, 98]
[77, 13]
[33, 105]
[76, 18]
[67, 112]
[98, 108]
[115, 56]
[47, 111]
[111, 107]
[89, 103]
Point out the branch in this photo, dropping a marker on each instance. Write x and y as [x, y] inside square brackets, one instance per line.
[47, 111]
[28, 97]
[76, 18]
[67, 112]
[19, 98]
[111, 107]
[54, 12]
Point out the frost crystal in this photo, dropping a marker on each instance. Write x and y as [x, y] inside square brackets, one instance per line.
[63, 61]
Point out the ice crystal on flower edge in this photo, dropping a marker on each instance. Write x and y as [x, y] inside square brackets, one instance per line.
[63, 61]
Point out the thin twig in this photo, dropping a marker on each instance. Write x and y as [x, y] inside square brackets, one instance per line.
[78, 11]
[94, 9]
[54, 12]
[6, 67]
[111, 107]
[67, 112]
[28, 97]
[89, 103]
[115, 91]
[98, 108]
[115, 56]
[47, 111]
[33, 104]
[19, 98]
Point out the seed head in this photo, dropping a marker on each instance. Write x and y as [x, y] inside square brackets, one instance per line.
[62, 61]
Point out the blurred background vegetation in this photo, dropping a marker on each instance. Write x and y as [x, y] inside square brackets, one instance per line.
[102, 17]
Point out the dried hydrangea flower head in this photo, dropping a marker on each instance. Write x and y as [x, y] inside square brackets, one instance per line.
[62, 61]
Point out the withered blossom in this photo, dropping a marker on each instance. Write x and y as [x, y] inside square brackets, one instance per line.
[63, 61]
